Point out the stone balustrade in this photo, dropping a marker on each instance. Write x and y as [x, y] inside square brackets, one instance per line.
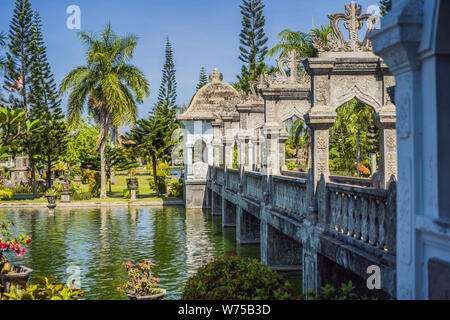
[220, 176]
[254, 185]
[233, 179]
[289, 194]
[365, 214]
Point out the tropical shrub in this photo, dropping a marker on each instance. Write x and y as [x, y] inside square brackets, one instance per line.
[42, 289]
[176, 188]
[127, 193]
[81, 196]
[140, 280]
[291, 166]
[363, 170]
[9, 243]
[236, 278]
[94, 183]
[22, 189]
[162, 172]
[5, 194]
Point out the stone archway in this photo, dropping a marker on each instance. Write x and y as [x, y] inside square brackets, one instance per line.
[345, 70]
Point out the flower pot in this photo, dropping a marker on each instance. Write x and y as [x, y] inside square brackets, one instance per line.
[21, 274]
[51, 201]
[158, 296]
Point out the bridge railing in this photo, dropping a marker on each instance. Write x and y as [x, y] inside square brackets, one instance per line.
[220, 175]
[254, 185]
[233, 179]
[290, 194]
[365, 214]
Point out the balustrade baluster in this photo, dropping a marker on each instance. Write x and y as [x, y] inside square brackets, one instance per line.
[351, 215]
[373, 228]
[344, 216]
[364, 219]
[381, 225]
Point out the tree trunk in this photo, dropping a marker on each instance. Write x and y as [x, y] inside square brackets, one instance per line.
[49, 172]
[155, 177]
[32, 168]
[358, 152]
[103, 169]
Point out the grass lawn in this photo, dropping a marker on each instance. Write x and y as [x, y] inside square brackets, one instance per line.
[116, 194]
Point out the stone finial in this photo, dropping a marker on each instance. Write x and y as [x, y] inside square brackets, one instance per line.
[294, 79]
[216, 77]
[353, 22]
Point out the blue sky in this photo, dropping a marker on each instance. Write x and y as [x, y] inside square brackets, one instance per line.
[202, 32]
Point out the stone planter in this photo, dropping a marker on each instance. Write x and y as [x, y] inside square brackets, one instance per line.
[158, 296]
[21, 274]
[132, 183]
[51, 201]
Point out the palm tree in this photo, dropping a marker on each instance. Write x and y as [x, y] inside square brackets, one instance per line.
[109, 85]
[299, 41]
[300, 137]
[289, 40]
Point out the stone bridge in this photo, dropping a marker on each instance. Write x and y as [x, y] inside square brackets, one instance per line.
[332, 234]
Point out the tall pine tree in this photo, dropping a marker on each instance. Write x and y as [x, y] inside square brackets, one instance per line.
[167, 97]
[49, 143]
[19, 64]
[253, 40]
[203, 80]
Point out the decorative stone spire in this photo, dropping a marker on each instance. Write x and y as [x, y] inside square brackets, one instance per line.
[215, 77]
[295, 79]
[353, 22]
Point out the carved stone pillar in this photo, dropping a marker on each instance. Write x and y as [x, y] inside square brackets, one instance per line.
[284, 136]
[320, 119]
[217, 144]
[243, 151]
[385, 121]
[228, 151]
[272, 150]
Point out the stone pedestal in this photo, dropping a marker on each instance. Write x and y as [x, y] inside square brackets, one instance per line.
[195, 194]
[65, 197]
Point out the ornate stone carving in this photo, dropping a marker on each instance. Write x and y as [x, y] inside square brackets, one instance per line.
[403, 116]
[296, 78]
[353, 22]
[215, 77]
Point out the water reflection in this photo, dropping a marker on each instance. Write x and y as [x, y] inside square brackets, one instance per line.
[99, 240]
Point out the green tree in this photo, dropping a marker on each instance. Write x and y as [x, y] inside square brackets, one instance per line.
[2, 58]
[252, 40]
[150, 139]
[19, 67]
[81, 143]
[49, 143]
[108, 84]
[203, 79]
[167, 97]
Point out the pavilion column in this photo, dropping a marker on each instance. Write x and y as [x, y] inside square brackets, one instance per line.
[228, 151]
[217, 144]
[189, 159]
[282, 149]
[320, 119]
[251, 155]
[272, 151]
[385, 121]
[244, 152]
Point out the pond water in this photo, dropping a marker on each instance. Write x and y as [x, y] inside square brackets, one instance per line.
[97, 241]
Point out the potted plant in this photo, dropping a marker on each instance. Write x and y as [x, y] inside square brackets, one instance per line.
[141, 285]
[51, 196]
[12, 274]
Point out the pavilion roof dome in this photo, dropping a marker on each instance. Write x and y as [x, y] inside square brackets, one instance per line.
[212, 101]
